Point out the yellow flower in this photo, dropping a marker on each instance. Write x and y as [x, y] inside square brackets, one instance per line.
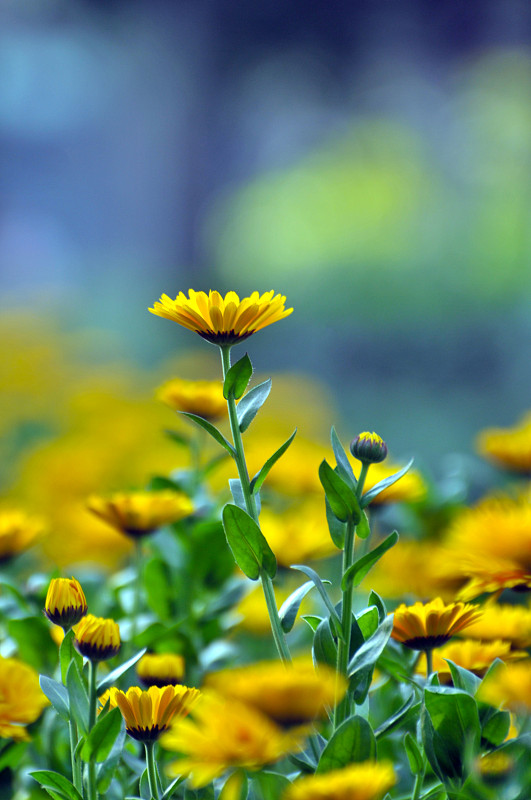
[300, 534]
[252, 614]
[508, 685]
[225, 733]
[65, 602]
[204, 398]
[409, 488]
[18, 531]
[291, 695]
[148, 714]
[22, 700]
[511, 623]
[471, 654]
[297, 472]
[508, 447]
[364, 781]
[97, 638]
[412, 568]
[222, 320]
[161, 669]
[423, 626]
[138, 514]
[369, 448]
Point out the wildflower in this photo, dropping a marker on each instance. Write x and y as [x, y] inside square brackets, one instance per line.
[222, 320]
[204, 398]
[424, 626]
[291, 695]
[65, 602]
[508, 685]
[22, 698]
[300, 534]
[138, 514]
[476, 656]
[96, 638]
[511, 623]
[409, 488]
[225, 733]
[18, 531]
[509, 447]
[364, 781]
[369, 448]
[161, 669]
[148, 714]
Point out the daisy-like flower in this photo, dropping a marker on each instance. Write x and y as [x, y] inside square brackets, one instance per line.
[161, 669]
[223, 734]
[204, 398]
[409, 488]
[472, 654]
[369, 448]
[509, 448]
[364, 781]
[22, 698]
[138, 514]
[509, 685]
[18, 531]
[424, 626]
[510, 623]
[65, 602]
[97, 638]
[148, 714]
[291, 695]
[222, 320]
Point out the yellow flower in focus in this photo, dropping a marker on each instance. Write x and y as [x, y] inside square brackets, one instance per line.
[300, 534]
[409, 488]
[18, 531]
[511, 623]
[161, 669]
[204, 398]
[97, 638]
[509, 685]
[138, 514]
[65, 602]
[225, 733]
[508, 447]
[22, 700]
[222, 320]
[474, 655]
[423, 626]
[364, 781]
[148, 714]
[293, 694]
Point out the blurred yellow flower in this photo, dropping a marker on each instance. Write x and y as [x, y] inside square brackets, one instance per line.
[367, 780]
[138, 514]
[409, 488]
[297, 472]
[471, 654]
[22, 698]
[508, 685]
[204, 398]
[97, 638]
[65, 602]
[18, 531]
[251, 611]
[423, 626]
[508, 447]
[299, 534]
[511, 623]
[148, 714]
[412, 569]
[161, 669]
[222, 320]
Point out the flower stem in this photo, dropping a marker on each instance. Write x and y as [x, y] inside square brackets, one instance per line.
[91, 767]
[151, 770]
[137, 561]
[76, 766]
[429, 662]
[343, 648]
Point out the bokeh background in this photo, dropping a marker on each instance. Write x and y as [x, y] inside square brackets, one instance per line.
[369, 160]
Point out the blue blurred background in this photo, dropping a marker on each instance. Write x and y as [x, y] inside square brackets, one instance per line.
[369, 160]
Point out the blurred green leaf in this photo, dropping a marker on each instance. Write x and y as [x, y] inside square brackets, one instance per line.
[450, 732]
[344, 467]
[368, 621]
[262, 474]
[324, 646]
[112, 677]
[34, 643]
[312, 621]
[341, 497]
[247, 543]
[357, 572]
[352, 742]
[384, 484]
[414, 754]
[495, 725]
[319, 585]
[78, 696]
[237, 378]
[159, 588]
[57, 783]
[462, 678]
[409, 709]
[106, 770]
[289, 608]
[368, 653]
[249, 406]
[212, 430]
[102, 737]
[57, 695]
[363, 529]
[269, 785]
[336, 528]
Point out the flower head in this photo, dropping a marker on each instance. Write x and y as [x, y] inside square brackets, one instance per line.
[423, 626]
[148, 714]
[96, 638]
[369, 448]
[510, 623]
[508, 447]
[22, 698]
[300, 534]
[204, 398]
[508, 685]
[138, 514]
[222, 320]
[65, 602]
[472, 654]
[161, 669]
[18, 531]
[364, 781]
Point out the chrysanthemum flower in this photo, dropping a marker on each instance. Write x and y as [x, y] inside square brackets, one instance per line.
[18, 531]
[148, 714]
[22, 700]
[409, 488]
[138, 514]
[292, 695]
[508, 447]
[204, 398]
[510, 623]
[161, 669]
[222, 320]
[508, 685]
[471, 654]
[424, 626]
[300, 534]
[65, 602]
[364, 781]
[97, 638]
[225, 733]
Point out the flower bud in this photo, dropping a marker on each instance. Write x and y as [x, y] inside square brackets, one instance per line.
[97, 638]
[65, 602]
[369, 448]
[161, 669]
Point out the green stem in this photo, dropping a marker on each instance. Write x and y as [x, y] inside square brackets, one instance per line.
[91, 766]
[137, 562]
[276, 627]
[343, 649]
[429, 662]
[151, 769]
[361, 480]
[76, 766]
[419, 780]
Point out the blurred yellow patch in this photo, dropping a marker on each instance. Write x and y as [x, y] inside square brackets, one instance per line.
[509, 448]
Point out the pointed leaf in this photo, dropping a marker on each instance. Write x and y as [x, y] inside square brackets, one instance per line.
[260, 476]
[408, 709]
[340, 495]
[414, 754]
[356, 573]
[249, 406]
[289, 608]
[237, 378]
[56, 694]
[57, 783]
[337, 528]
[106, 770]
[212, 430]
[247, 543]
[102, 737]
[324, 646]
[68, 653]
[382, 485]
[113, 676]
[450, 731]
[368, 621]
[352, 742]
[78, 696]
[236, 491]
[462, 678]
[319, 585]
[368, 653]
[344, 467]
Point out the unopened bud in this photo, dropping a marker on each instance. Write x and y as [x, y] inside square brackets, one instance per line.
[369, 448]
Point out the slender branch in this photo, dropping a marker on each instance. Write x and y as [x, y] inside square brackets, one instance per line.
[91, 767]
[76, 766]
[151, 770]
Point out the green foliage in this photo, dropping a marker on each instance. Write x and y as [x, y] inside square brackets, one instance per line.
[370, 651]
[262, 474]
[112, 677]
[353, 741]
[251, 403]
[55, 784]
[288, 611]
[340, 495]
[378, 488]
[102, 737]
[247, 543]
[57, 695]
[237, 378]
[212, 430]
[357, 572]
[78, 696]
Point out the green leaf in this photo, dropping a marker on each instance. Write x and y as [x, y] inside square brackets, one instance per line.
[341, 497]
[247, 543]
[177, 437]
[34, 643]
[249, 406]
[351, 743]
[238, 496]
[262, 474]
[319, 585]
[56, 694]
[462, 678]
[212, 430]
[382, 485]
[78, 696]
[496, 727]
[68, 653]
[344, 467]
[289, 608]
[324, 646]
[237, 378]
[11, 755]
[450, 732]
[356, 573]
[368, 653]
[269, 785]
[414, 754]
[102, 737]
[363, 529]
[49, 779]
[159, 587]
[312, 621]
[409, 708]
[336, 528]
[368, 621]
[107, 769]
[171, 788]
[113, 676]
[376, 600]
